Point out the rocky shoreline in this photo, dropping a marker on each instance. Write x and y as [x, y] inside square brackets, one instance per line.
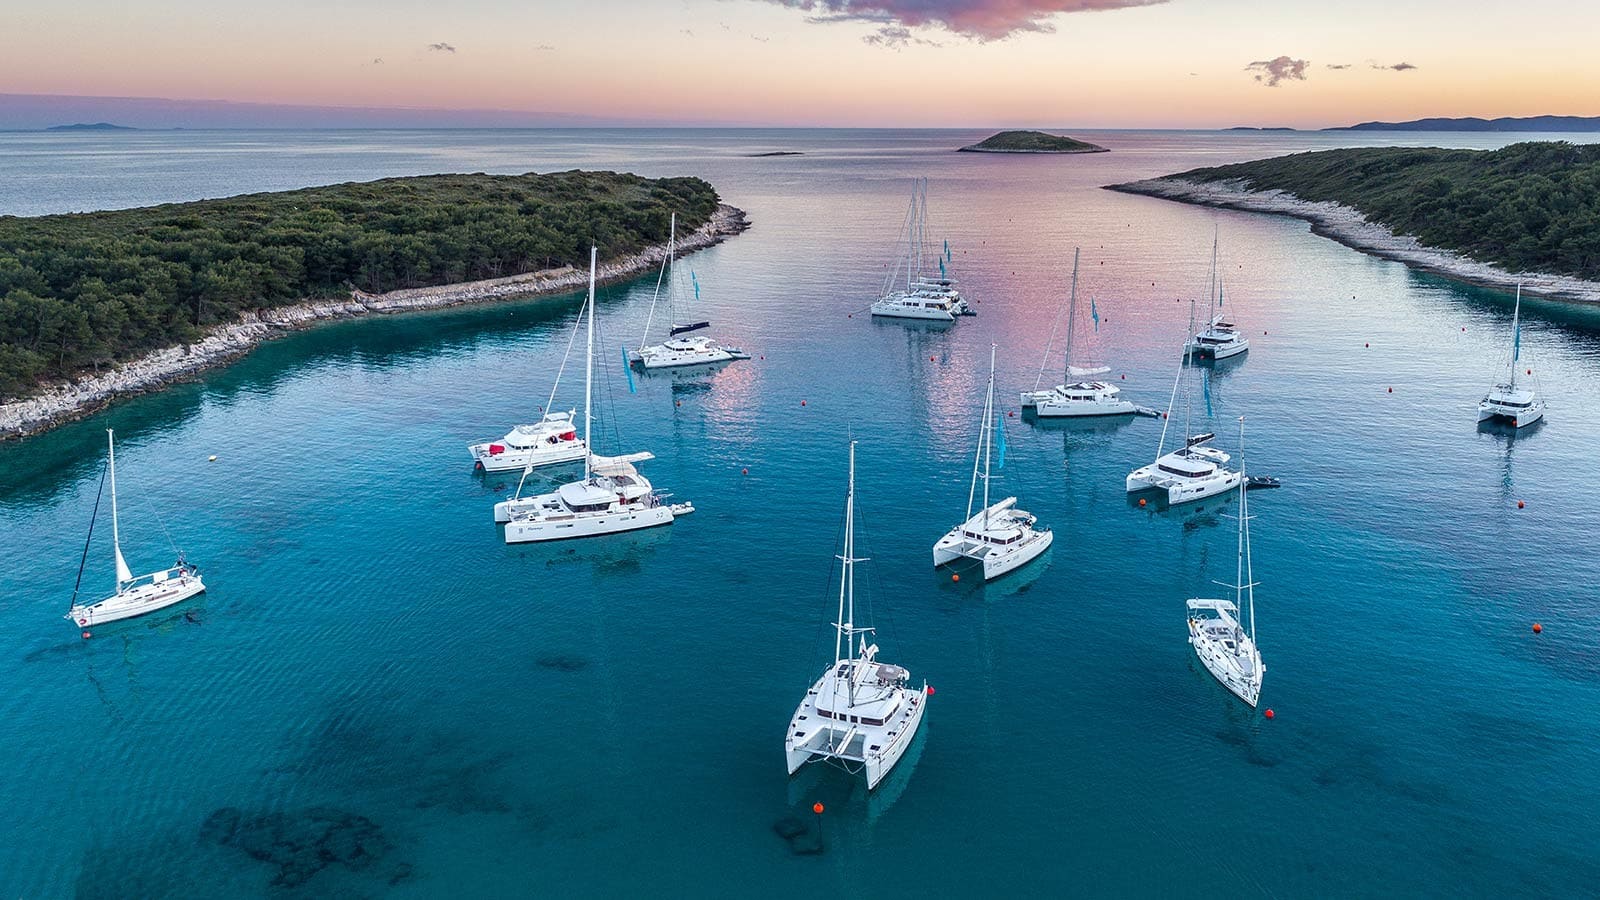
[1349, 227]
[78, 398]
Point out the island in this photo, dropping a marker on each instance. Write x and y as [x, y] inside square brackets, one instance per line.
[1550, 124]
[1032, 142]
[1261, 128]
[98, 305]
[775, 153]
[1527, 212]
[91, 126]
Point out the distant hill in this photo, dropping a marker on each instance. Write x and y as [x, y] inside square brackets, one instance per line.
[1527, 123]
[97, 126]
[1261, 128]
[1032, 142]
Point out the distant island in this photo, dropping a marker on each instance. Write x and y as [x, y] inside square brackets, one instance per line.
[776, 153]
[1527, 123]
[1488, 217]
[97, 305]
[1261, 128]
[1032, 142]
[95, 126]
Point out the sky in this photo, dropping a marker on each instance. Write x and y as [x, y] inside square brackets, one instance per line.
[899, 63]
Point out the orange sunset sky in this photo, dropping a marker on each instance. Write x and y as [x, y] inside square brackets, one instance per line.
[1090, 63]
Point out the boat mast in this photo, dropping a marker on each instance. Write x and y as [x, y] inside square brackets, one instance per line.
[988, 439]
[1211, 299]
[1072, 315]
[847, 572]
[588, 374]
[123, 574]
[1516, 347]
[1248, 582]
[672, 245]
[1188, 389]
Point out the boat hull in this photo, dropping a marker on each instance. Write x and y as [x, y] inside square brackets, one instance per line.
[875, 767]
[894, 311]
[565, 527]
[1049, 409]
[145, 599]
[1210, 351]
[1521, 419]
[1224, 671]
[1181, 490]
[950, 549]
[512, 460]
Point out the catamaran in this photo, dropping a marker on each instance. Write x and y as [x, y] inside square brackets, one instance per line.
[675, 350]
[1192, 472]
[1000, 536]
[134, 596]
[550, 441]
[1082, 397]
[611, 497]
[1225, 647]
[1508, 401]
[923, 295]
[860, 714]
[1219, 339]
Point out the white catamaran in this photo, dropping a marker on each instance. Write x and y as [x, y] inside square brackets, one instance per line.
[1225, 646]
[923, 295]
[134, 596]
[1508, 401]
[860, 714]
[1000, 536]
[1078, 395]
[1192, 472]
[611, 497]
[1219, 339]
[550, 441]
[679, 351]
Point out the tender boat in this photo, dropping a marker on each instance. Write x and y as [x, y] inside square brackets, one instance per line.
[923, 295]
[1081, 397]
[861, 714]
[1509, 402]
[1225, 646]
[135, 596]
[999, 536]
[679, 351]
[611, 497]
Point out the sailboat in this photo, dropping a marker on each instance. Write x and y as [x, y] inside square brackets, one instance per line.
[1194, 471]
[550, 441]
[612, 495]
[1000, 536]
[134, 596]
[1219, 339]
[860, 713]
[1508, 401]
[1225, 646]
[924, 295]
[1080, 397]
[675, 350]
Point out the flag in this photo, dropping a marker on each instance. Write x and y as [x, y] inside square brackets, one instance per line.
[1205, 381]
[941, 269]
[696, 283]
[1094, 313]
[947, 248]
[627, 366]
[1000, 426]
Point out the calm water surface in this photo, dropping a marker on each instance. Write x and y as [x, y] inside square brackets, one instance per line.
[374, 677]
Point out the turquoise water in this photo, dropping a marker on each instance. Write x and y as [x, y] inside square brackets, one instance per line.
[378, 696]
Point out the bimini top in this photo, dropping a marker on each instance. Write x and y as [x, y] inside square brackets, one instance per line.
[612, 466]
[585, 495]
[1186, 464]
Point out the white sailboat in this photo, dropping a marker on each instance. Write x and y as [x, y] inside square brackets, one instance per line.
[134, 596]
[1081, 397]
[923, 295]
[1219, 339]
[612, 496]
[860, 714]
[1000, 536]
[1225, 646]
[679, 351]
[1510, 402]
[550, 441]
[1192, 472]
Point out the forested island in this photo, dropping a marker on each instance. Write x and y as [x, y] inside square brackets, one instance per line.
[1032, 142]
[1479, 215]
[83, 291]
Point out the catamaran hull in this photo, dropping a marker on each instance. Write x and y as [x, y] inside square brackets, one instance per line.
[1056, 409]
[672, 360]
[557, 528]
[1208, 351]
[1521, 419]
[140, 601]
[511, 460]
[1181, 490]
[889, 311]
[876, 768]
[953, 547]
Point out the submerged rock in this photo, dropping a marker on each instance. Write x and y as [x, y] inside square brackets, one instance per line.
[301, 844]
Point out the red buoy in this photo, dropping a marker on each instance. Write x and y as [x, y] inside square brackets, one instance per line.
[930, 359]
[930, 690]
[680, 402]
[86, 635]
[802, 403]
[744, 471]
[1269, 713]
[1366, 345]
[1391, 390]
[1012, 414]
[1141, 501]
[1536, 629]
[1519, 504]
[817, 807]
[1530, 371]
[955, 577]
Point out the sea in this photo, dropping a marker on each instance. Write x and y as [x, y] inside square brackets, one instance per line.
[377, 696]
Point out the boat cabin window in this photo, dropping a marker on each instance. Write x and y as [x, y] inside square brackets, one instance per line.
[590, 507]
[1512, 404]
[1186, 473]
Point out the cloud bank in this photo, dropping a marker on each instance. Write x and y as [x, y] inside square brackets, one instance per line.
[1272, 72]
[442, 46]
[984, 20]
[1397, 67]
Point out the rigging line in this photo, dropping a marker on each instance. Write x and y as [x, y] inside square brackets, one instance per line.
[1049, 346]
[672, 241]
[571, 340]
[84, 561]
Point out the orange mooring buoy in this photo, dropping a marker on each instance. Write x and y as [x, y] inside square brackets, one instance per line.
[1141, 501]
[802, 403]
[86, 635]
[930, 690]
[1269, 712]
[744, 471]
[817, 807]
[956, 577]
[1519, 504]
[1391, 390]
[1536, 629]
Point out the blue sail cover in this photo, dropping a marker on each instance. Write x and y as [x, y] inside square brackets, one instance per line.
[1094, 313]
[1516, 343]
[947, 248]
[628, 367]
[1205, 381]
[696, 282]
[684, 329]
[1000, 426]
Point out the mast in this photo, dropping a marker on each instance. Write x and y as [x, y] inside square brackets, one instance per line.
[1072, 315]
[1516, 348]
[1248, 582]
[847, 571]
[1188, 392]
[988, 437]
[588, 374]
[1211, 299]
[672, 246]
[123, 575]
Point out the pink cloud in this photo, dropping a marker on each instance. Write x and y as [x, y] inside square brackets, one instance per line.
[985, 20]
